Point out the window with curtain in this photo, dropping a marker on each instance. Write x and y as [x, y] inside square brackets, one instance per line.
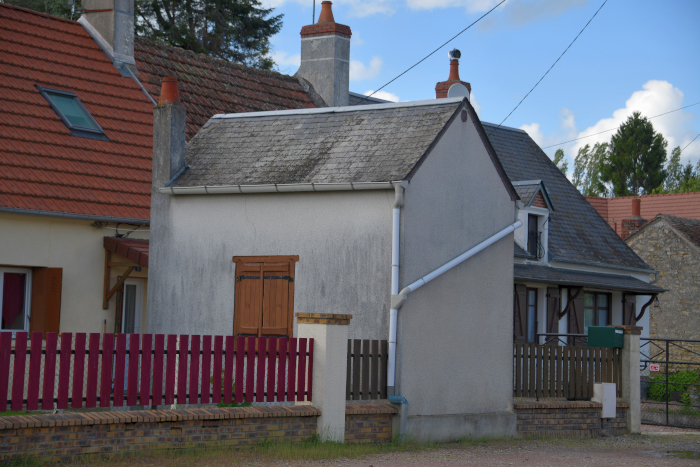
[596, 310]
[14, 307]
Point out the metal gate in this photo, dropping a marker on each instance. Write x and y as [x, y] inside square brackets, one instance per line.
[670, 382]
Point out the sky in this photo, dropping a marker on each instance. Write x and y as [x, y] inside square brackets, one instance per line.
[636, 55]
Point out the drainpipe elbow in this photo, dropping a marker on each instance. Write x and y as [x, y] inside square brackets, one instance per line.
[656, 277]
[398, 198]
[398, 300]
[394, 399]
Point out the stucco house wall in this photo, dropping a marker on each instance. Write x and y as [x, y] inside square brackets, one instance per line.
[455, 201]
[343, 240]
[76, 247]
[678, 263]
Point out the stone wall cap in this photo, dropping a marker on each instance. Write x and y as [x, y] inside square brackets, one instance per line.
[369, 409]
[634, 330]
[323, 318]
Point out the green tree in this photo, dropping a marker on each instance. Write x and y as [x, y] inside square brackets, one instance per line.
[233, 30]
[587, 170]
[62, 8]
[635, 162]
[560, 161]
[675, 172]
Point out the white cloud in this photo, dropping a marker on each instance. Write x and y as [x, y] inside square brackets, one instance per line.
[387, 96]
[656, 97]
[286, 63]
[533, 129]
[359, 71]
[475, 104]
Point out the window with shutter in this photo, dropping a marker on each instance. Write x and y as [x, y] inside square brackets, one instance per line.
[14, 299]
[264, 296]
[553, 311]
[629, 310]
[519, 314]
[46, 300]
[576, 315]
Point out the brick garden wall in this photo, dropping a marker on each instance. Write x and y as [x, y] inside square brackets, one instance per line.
[68, 436]
[368, 423]
[567, 419]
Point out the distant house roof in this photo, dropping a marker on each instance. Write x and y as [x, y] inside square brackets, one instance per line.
[568, 277]
[361, 99]
[371, 143]
[688, 228]
[209, 86]
[44, 169]
[577, 233]
[614, 210]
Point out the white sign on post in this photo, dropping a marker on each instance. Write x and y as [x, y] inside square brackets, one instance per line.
[654, 367]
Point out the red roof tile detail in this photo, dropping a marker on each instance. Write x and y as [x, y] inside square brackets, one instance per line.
[135, 250]
[210, 86]
[43, 166]
[675, 204]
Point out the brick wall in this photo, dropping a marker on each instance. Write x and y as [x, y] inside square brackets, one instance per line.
[368, 423]
[567, 419]
[68, 436]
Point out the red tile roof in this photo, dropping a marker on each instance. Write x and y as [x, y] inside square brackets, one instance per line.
[43, 166]
[674, 204]
[210, 86]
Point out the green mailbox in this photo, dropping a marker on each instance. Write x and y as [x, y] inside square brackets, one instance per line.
[605, 336]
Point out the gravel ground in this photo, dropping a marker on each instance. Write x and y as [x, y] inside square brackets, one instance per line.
[619, 451]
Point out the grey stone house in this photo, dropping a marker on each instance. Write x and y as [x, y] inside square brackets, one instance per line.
[671, 245]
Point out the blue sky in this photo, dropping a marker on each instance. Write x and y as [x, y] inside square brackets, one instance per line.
[635, 55]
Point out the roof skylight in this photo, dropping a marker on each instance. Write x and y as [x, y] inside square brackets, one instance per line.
[73, 113]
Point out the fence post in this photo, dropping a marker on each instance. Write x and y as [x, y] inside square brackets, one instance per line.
[330, 334]
[631, 387]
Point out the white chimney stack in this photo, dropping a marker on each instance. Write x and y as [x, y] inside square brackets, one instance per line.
[111, 23]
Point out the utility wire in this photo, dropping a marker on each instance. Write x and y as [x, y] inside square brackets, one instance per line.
[613, 129]
[696, 137]
[550, 68]
[431, 53]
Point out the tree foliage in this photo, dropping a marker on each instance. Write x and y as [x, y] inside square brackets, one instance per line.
[636, 157]
[560, 161]
[233, 30]
[680, 178]
[62, 8]
[587, 170]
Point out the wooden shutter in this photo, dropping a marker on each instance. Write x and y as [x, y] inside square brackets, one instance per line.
[553, 311]
[576, 313]
[629, 309]
[46, 300]
[519, 314]
[249, 298]
[276, 285]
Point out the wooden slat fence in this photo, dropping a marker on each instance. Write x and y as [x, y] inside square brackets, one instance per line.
[366, 371]
[75, 371]
[545, 371]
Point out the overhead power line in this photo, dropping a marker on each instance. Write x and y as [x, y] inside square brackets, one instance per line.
[431, 53]
[550, 68]
[696, 137]
[617, 127]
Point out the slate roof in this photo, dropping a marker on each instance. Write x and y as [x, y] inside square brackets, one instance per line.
[519, 252]
[42, 166]
[360, 99]
[688, 228]
[371, 144]
[567, 277]
[527, 191]
[577, 233]
[209, 86]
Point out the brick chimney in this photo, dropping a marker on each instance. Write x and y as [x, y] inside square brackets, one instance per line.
[168, 135]
[453, 87]
[632, 224]
[325, 58]
[111, 24]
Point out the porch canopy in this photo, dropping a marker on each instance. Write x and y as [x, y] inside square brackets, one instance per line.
[566, 278]
[135, 250]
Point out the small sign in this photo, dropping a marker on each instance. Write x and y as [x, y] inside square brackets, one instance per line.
[654, 367]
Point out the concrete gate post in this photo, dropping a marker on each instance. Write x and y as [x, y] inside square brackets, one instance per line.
[631, 388]
[330, 334]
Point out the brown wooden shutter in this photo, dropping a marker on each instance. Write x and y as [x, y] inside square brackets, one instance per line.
[629, 310]
[275, 315]
[576, 313]
[519, 314]
[553, 311]
[249, 298]
[46, 300]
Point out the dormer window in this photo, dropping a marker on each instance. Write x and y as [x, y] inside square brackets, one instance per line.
[73, 113]
[534, 209]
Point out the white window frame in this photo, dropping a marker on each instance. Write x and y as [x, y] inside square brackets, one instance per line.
[27, 296]
[542, 227]
[138, 309]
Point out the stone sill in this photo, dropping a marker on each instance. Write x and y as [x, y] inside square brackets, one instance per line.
[150, 416]
[367, 409]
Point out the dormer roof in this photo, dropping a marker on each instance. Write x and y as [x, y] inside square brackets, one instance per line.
[533, 192]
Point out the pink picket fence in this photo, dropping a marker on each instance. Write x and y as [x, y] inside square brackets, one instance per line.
[90, 370]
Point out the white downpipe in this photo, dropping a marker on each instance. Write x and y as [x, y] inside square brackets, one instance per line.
[460, 259]
[395, 235]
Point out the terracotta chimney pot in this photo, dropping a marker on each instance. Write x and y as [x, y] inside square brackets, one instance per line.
[169, 93]
[326, 15]
[636, 207]
[454, 71]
